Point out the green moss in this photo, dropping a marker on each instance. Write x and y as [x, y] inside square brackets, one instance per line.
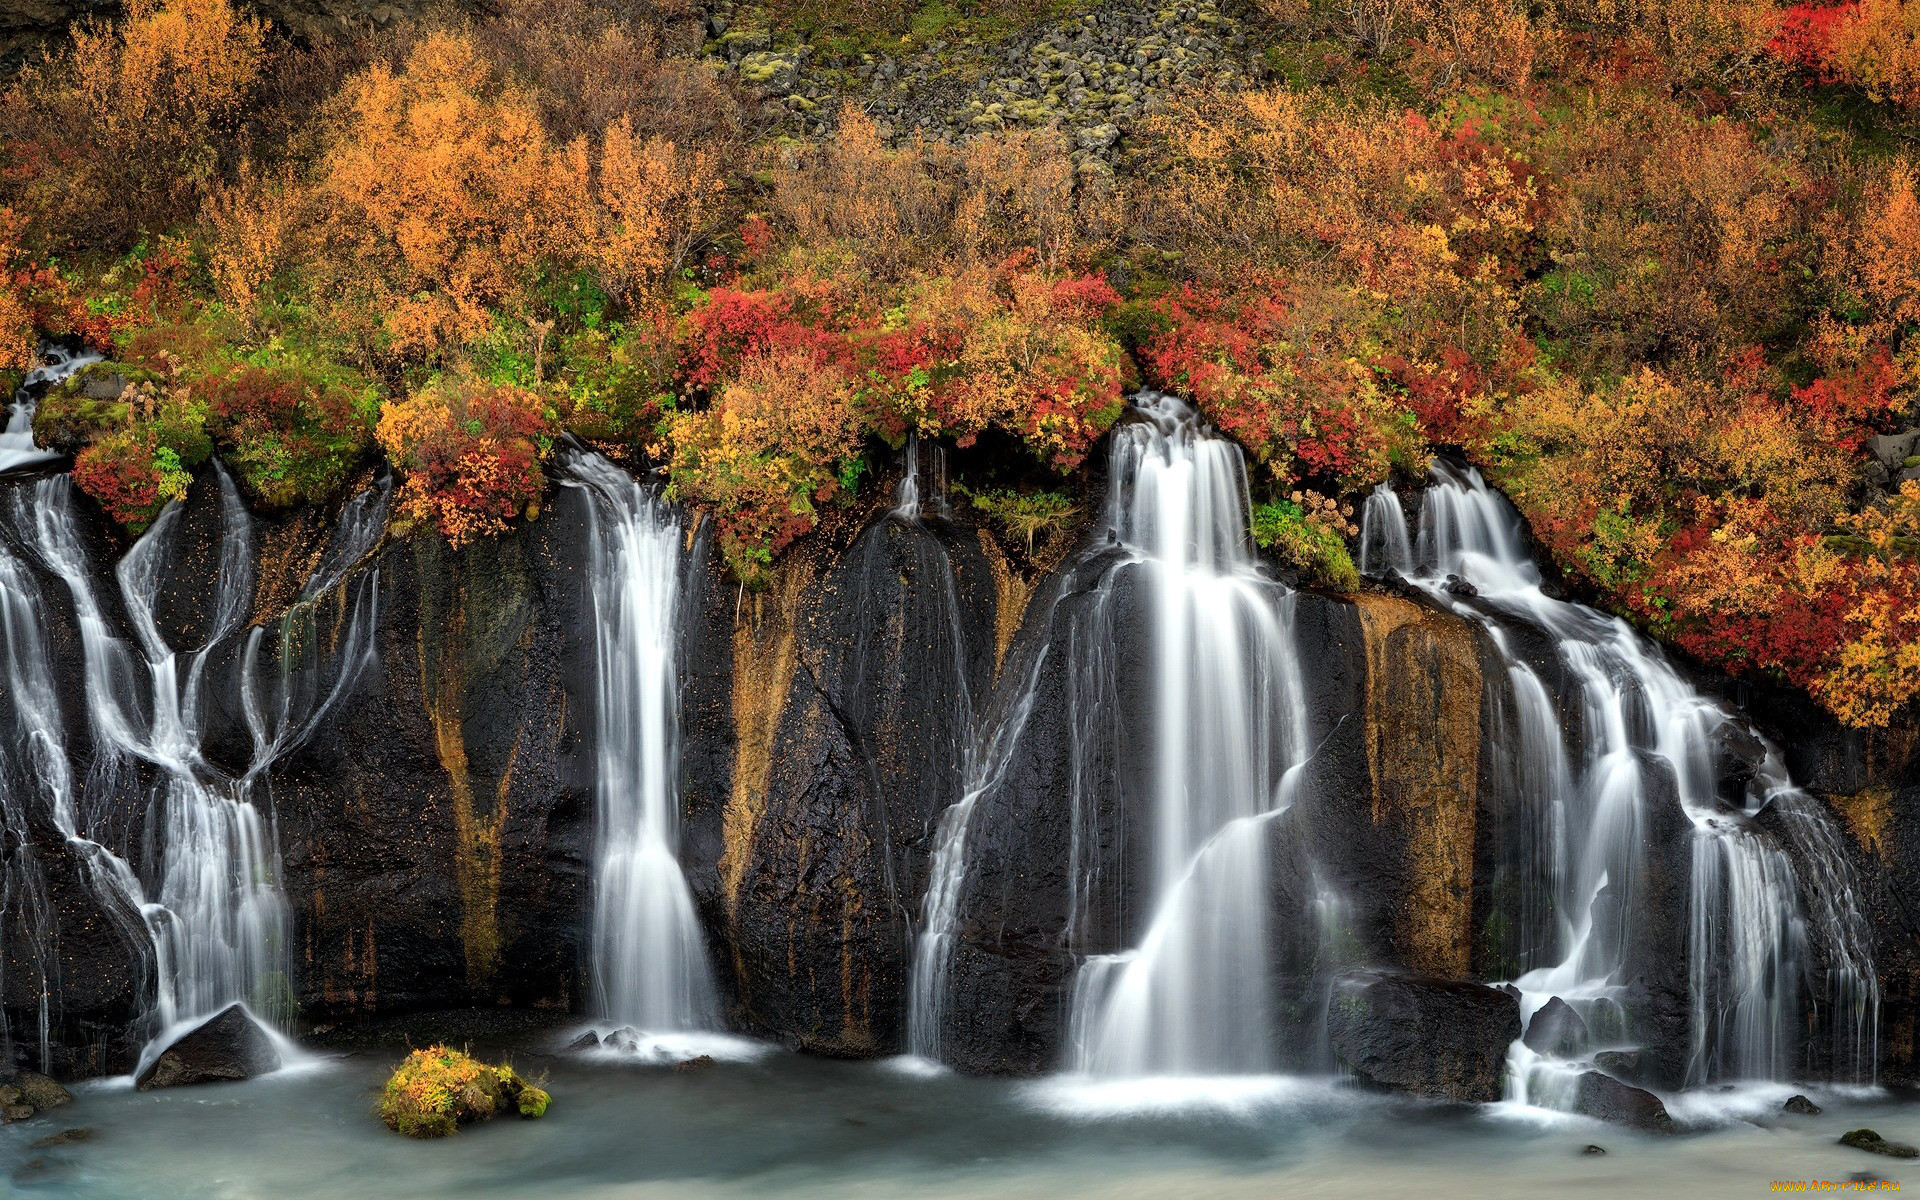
[437, 1090]
[1282, 527]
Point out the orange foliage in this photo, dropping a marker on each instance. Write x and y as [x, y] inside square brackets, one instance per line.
[1877, 48]
[130, 126]
[471, 453]
[442, 195]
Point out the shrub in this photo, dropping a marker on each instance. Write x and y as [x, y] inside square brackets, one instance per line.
[1024, 515]
[129, 128]
[1309, 533]
[437, 1090]
[291, 435]
[470, 452]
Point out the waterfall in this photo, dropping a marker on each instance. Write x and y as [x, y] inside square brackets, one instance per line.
[16, 443]
[1229, 719]
[1227, 730]
[908, 500]
[650, 968]
[1635, 718]
[933, 948]
[206, 878]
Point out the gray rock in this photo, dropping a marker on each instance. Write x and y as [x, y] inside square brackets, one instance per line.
[1802, 1106]
[1891, 449]
[1556, 1030]
[1424, 1037]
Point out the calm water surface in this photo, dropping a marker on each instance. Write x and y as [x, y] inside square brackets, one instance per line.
[783, 1125]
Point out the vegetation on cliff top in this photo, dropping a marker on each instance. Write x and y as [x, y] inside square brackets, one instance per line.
[1655, 268]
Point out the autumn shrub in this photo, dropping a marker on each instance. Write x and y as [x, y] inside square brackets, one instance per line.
[129, 126]
[435, 1091]
[470, 453]
[1024, 353]
[1873, 45]
[1285, 385]
[135, 467]
[781, 437]
[290, 435]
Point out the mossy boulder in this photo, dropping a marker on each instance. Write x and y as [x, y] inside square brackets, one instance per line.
[437, 1090]
[88, 404]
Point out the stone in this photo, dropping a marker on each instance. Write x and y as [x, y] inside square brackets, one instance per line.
[585, 1041]
[1556, 1030]
[1621, 1064]
[1592, 1149]
[698, 1062]
[1873, 1143]
[1891, 449]
[1424, 1037]
[1802, 1106]
[226, 1047]
[66, 1137]
[623, 1040]
[1605, 1098]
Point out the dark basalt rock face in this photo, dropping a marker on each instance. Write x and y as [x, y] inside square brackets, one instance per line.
[226, 1047]
[1020, 939]
[436, 828]
[436, 831]
[888, 643]
[1424, 1037]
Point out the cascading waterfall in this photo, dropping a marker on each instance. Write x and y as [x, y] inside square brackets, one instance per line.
[1191, 998]
[206, 879]
[916, 494]
[1228, 732]
[16, 443]
[650, 966]
[1747, 950]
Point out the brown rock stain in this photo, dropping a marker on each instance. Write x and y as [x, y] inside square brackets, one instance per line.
[1868, 816]
[1011, 592]
[1422, 730]
[764, 658]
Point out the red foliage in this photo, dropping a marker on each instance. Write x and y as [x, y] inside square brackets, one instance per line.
[1805, 38]
[119, 472]
[1855, 400]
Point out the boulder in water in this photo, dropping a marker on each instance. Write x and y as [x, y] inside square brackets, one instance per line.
[1424, 1037]
[1556, 1030]
[1621, 1064]
[27, 1093]
[624, 1040]
[698, 1062]
[1605, 1098]
[228, 1046]
[66, 1137]
[1868, 1140]
[585, 1041]
[1592, 1150]
[1801, 1105]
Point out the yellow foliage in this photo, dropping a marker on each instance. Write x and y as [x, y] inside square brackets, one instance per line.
[443, 194]
[656, 202]
[1879, 49]
[137, 117]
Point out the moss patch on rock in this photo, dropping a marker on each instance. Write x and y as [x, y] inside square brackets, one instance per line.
[437, 1090]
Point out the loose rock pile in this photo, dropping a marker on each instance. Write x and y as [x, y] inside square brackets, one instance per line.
[1092, 76]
